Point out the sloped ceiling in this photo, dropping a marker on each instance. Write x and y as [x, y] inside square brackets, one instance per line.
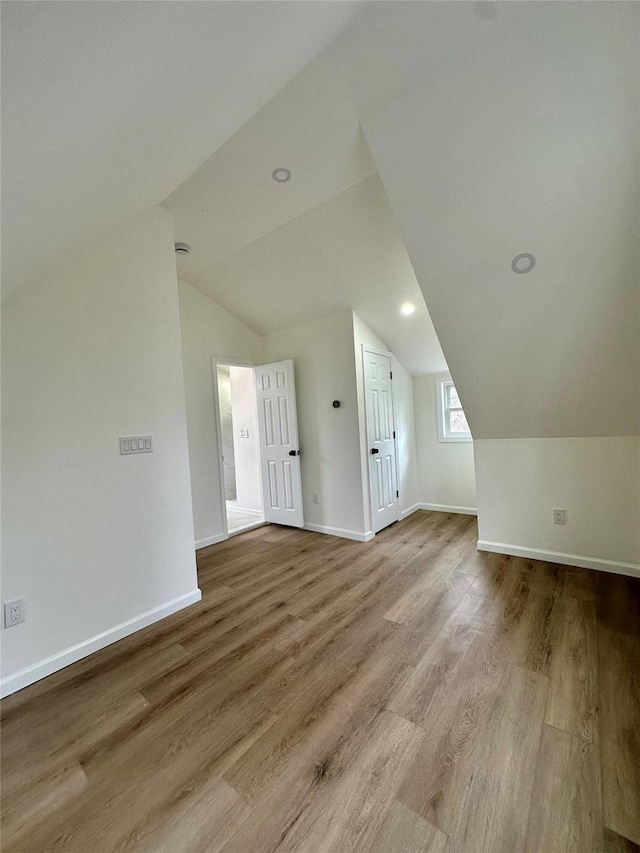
[313, 129]
[496, 129]
[108, 106]
[276, 255]
[345, 253]
[530, 145]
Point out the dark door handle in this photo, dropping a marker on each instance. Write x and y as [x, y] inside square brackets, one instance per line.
[294, 453]
[375, 450]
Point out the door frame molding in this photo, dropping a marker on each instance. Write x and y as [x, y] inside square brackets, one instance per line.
[379, 351]
[230, 362]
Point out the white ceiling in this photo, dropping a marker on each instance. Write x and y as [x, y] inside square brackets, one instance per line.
[345, 253]
[313, 129]
[276, 255]
[519, 132]
[107, 107]
[540, 153]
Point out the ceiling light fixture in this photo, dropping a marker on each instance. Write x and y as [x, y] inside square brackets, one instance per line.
[182, 249]
[523, 263]
[407, 309]
[281, 175]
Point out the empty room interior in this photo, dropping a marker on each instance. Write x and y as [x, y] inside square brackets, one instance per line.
[358, 285]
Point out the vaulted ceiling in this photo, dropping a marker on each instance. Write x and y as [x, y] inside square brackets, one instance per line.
[491, 128]
[279, 254]
[345, 253]
[531, 144]
[107, 107]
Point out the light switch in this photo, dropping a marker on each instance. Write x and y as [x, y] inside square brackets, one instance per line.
[136, 444]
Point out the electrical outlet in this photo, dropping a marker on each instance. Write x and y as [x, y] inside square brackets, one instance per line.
[315, 498]
[13, 612]
[559, 516]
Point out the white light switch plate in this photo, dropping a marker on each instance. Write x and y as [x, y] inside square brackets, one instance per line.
[135, 444]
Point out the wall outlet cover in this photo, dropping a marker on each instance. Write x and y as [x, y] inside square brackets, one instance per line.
[14, 612]
[559, 516]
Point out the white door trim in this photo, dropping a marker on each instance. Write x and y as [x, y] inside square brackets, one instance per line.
[231, 362]
[370, 348]
[377, 350]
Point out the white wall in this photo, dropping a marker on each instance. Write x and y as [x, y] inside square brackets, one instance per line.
[208, 330]
[446, 476]
[246, 449]
[405, 428]
[323, 355]
[93, 539]
[597, 482]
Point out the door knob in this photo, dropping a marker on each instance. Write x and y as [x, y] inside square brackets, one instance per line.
[294, 453]
[375, 450]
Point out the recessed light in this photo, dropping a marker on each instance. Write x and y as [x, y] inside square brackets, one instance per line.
[182, 249]
[523, 263]
[407, 309]
[281, 175]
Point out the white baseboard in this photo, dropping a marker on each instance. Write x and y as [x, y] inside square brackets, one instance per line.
[52, 664]
[460, 510]
[210, 540]
[243, 510]
[248, 526]
[410, 511]
[338, 531]
[558, 557]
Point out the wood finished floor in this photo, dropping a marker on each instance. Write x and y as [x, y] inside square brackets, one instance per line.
[408, 694]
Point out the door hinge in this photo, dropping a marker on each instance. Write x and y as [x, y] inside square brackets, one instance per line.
[397, 493]
[391, 373]
[394, 433]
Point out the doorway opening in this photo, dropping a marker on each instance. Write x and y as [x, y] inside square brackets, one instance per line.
[258, 451]
[241, 476]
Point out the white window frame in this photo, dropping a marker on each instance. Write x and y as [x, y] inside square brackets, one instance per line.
[443, 384]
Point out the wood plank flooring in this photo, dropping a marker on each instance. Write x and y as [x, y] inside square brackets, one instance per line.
[406, 695]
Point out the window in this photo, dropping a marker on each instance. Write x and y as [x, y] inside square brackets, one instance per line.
[452, 423]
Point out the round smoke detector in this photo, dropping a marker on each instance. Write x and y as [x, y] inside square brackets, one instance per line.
[182, 249]
[523, 263]
[281, 175]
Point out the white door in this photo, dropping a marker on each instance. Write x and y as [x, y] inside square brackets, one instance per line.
[279, 448]
[381, 438]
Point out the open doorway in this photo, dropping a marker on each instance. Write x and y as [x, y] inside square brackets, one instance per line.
[258, 450]
[241, 476]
